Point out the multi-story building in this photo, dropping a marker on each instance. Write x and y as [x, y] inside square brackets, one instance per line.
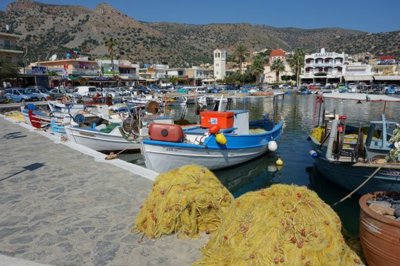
[200, 75]
[270, 75]
[277, 54]
[358, 72]
[9, 52]
[386, 73]
[123, 70]
[324, 67]
[82, 67]
[153, 73]
[219, 64]
[69, 71]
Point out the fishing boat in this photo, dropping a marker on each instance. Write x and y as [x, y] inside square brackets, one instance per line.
[359, 158]
[100, 134]
[223, 139]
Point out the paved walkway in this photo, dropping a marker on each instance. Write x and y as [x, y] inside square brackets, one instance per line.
[61, 207]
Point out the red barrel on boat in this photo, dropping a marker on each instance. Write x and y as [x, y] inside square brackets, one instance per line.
[379, 235]
[166, 132]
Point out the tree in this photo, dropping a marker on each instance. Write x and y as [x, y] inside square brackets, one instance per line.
[296, 62]
[110, 44]
[277, 66]
[173, 80]
[7, 71]
[240, 54]
[257, 67]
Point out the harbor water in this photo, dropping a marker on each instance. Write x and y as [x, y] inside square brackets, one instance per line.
[299, 113]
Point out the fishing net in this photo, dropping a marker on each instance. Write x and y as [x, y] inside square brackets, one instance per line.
[394, 154]
[16, 116]
[186, 200]
[281, 225]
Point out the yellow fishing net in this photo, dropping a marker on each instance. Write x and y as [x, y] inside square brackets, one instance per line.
[15, 115]
[280, 225]
[186, 200]
[317, 133]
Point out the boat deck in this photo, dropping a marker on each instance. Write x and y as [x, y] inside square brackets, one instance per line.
[59, 206]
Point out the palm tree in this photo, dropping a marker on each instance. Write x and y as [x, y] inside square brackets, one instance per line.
[240, 54]
[296, 62]
[257, 67]
[110, 44]
[277, 66]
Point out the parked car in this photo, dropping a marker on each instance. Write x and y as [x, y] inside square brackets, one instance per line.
[86, 91]
[141, 90]
[19, 95]
[41, 92]
[57, 93]
[3, 97]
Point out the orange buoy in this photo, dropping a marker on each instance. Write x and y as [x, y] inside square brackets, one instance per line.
[214, 129]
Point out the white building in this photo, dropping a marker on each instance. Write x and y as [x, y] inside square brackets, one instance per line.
[219, 64]
[324, 67]
[357, 72]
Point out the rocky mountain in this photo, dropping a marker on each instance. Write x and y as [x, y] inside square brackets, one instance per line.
[387, 43]
[48, 29]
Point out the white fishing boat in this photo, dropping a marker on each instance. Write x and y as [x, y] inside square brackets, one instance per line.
[101, 135]
[223, 139]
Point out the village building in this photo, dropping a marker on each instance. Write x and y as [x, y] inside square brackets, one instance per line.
[270, 76]
[324, 67]
[9, 52]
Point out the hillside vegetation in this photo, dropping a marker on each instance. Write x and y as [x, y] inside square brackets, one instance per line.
[55, 29]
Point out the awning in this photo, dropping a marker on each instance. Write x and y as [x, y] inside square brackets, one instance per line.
[387, 78]
[131, 78]
[358, 78]
[362, 97]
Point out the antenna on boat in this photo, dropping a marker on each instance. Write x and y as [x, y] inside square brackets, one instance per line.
[220, 104]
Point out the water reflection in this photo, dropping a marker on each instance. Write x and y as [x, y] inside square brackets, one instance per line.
[256, 174]
[298, 112]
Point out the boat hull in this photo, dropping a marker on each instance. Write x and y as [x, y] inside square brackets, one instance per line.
[164, 158]
[100, 141]
[350, 177]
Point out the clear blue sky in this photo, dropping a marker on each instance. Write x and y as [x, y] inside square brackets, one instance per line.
[366, 15]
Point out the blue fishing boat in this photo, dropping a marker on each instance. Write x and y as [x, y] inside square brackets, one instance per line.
[364, 159]
[221, 140]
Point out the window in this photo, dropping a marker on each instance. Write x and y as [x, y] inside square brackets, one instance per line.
[7, 44]
[217, 65]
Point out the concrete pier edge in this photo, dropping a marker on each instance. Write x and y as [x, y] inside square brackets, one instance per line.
[97, 156]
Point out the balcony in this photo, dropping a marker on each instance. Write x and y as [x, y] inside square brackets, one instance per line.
[128, 76]
[85, 72]
[12, 48]
[323, 64]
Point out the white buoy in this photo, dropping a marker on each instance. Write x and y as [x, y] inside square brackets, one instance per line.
[272, 145]
[272, 168]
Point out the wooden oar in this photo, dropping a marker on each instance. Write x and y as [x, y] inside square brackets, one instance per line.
[360, 186]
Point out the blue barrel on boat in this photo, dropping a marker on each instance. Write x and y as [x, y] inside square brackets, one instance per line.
[313, 154]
